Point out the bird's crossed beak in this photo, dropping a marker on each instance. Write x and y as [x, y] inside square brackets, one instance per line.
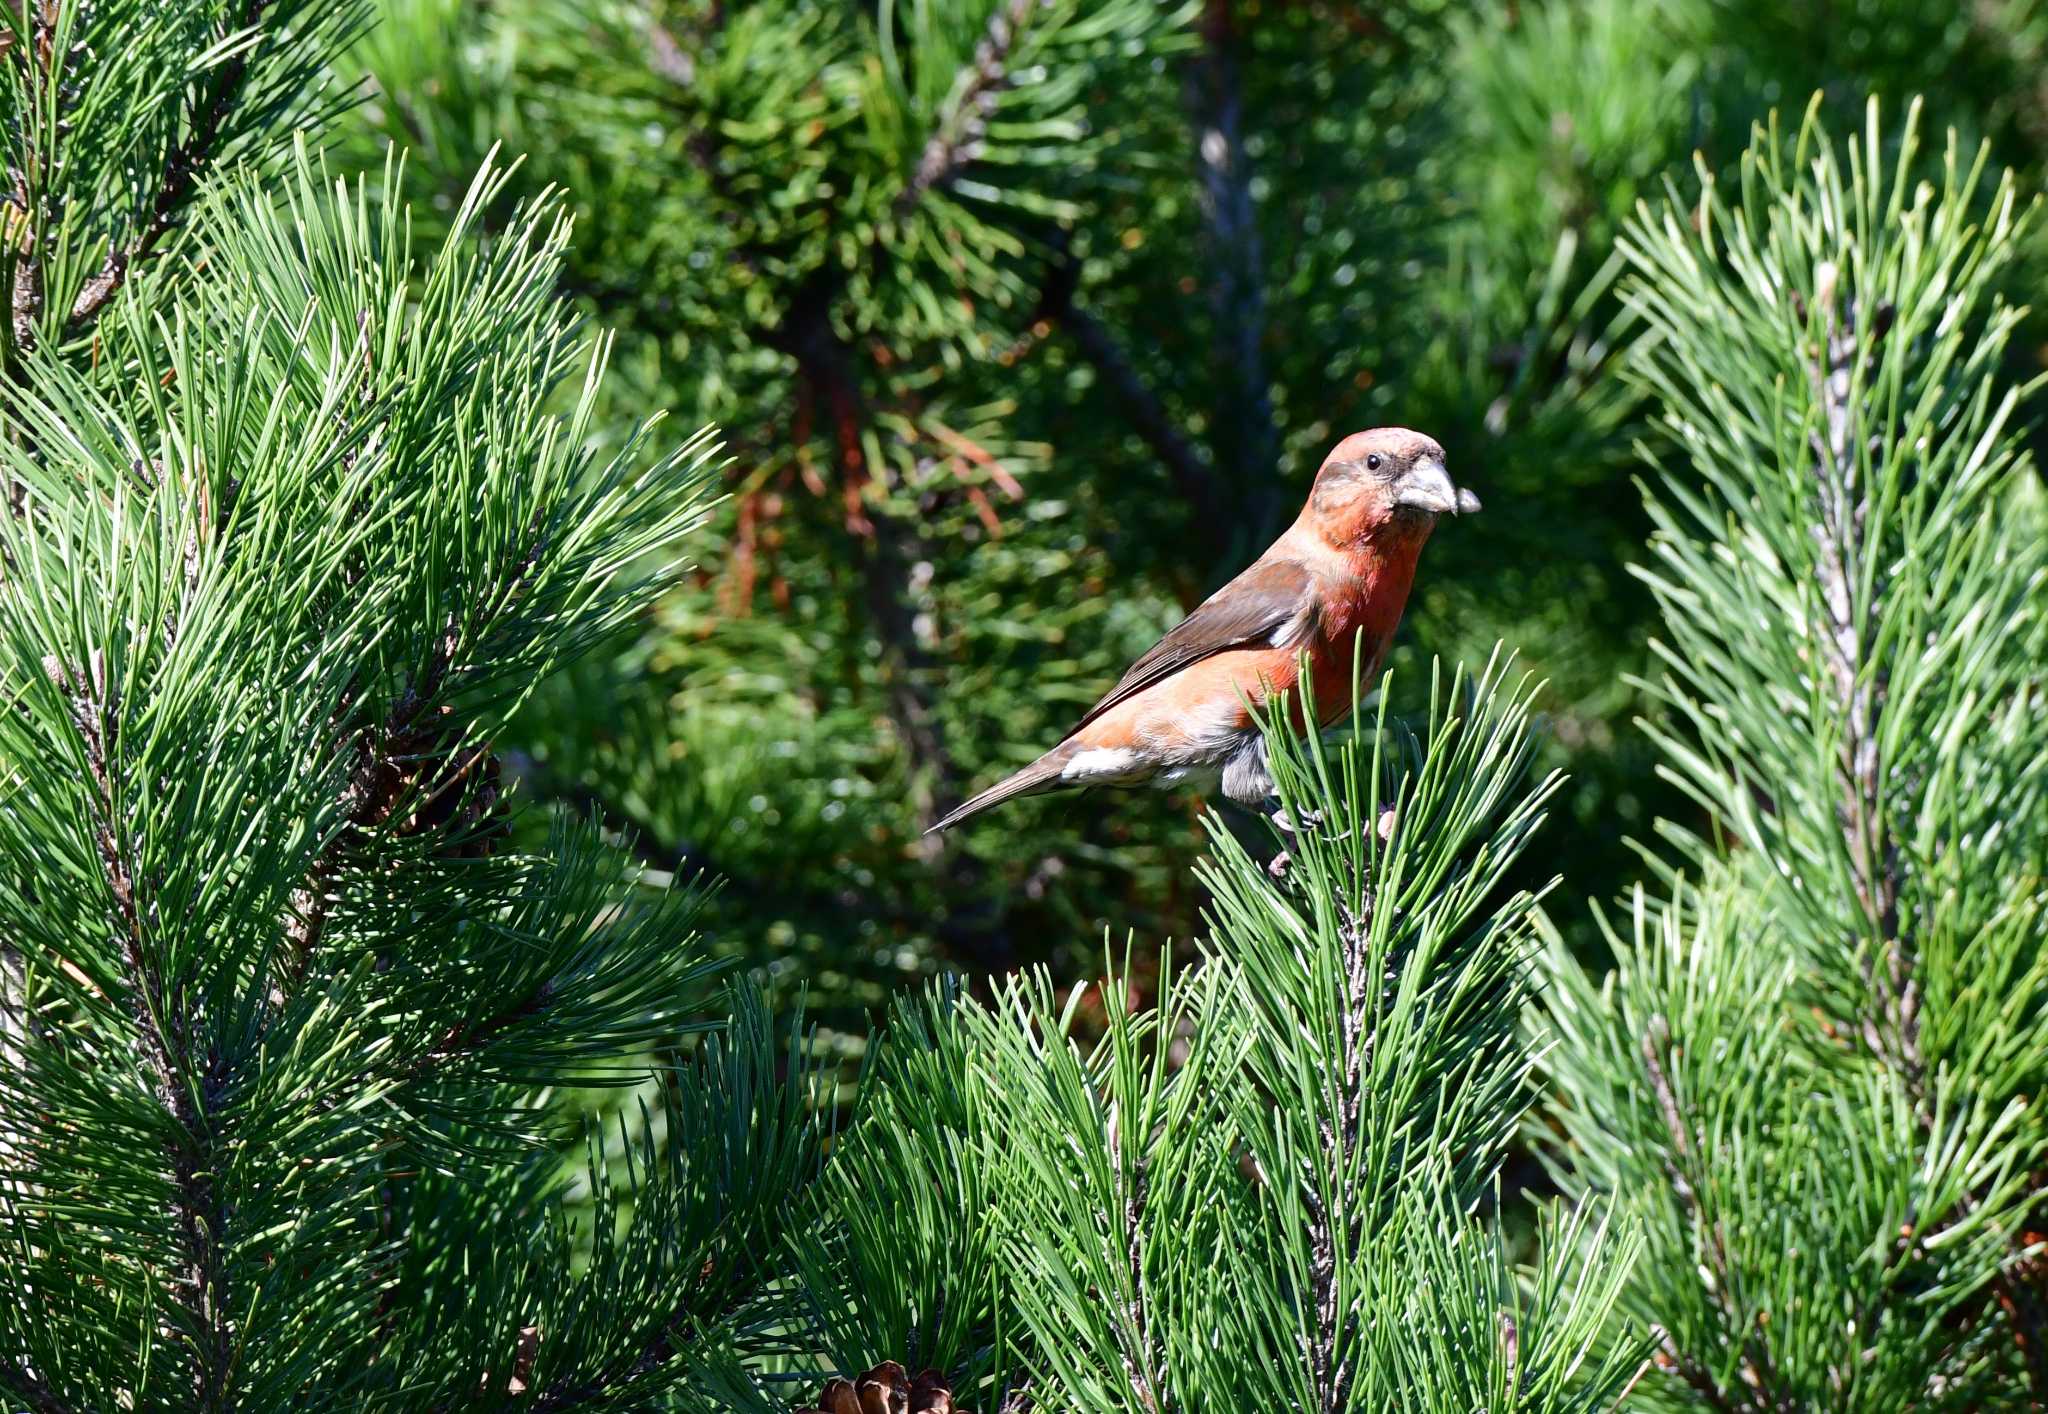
[1427, 487]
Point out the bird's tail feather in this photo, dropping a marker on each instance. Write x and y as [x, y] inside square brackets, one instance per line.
[1041, 775]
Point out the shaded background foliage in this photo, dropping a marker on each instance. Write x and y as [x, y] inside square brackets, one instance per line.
[1022, 350]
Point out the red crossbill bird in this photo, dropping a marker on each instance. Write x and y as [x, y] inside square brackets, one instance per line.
[1338, 576]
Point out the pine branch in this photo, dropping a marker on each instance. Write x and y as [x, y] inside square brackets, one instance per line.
[466, 1038]
[956, 140]
[185, 1089]
[573, 1393]
[183, 166]
[1859, 694]
[831, 389]
[668, 58]
[27, 301]
[1671, 1358]
[409, 758]
[28, 296]
[1194, 478]
[1334, 1328]
[1861, 587]
[876, 543]
[1860, 690]
[883, 570]
[831, 386]
[1376, 986]
[2019, 1294]
[1145, 1380]
[690, 859]
[372, 792]
[670, 1341]
[1756, 1362]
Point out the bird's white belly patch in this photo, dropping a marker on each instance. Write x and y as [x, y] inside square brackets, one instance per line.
[1102, 763]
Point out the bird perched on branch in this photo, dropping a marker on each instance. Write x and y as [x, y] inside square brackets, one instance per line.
[1338, 576]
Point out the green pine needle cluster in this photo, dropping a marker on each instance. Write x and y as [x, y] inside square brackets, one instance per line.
[282, 561]
[1812, 1071]
[1261, 1188]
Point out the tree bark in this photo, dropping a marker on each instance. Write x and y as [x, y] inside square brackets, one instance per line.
[1245, 440]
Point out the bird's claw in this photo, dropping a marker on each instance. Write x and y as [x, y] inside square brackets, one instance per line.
[1285, 822]
[1383, 827]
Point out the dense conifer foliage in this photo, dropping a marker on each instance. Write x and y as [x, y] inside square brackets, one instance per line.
[518, 515]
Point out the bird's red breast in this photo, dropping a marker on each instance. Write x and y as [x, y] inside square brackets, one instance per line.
[1359, 619]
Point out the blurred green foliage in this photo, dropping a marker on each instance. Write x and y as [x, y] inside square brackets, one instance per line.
[1028, 324]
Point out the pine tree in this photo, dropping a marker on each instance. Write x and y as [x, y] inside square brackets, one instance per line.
[325, 530]
[1811, 1074]
[1258, 1192]
[301, 509]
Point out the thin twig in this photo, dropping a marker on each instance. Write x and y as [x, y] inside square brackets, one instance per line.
[183, 165]
[957, 138]
[1193, 478]
[187, 1087]
[1132, 398]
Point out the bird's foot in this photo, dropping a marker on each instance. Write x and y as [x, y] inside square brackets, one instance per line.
[1284, 860]
[1286, 823]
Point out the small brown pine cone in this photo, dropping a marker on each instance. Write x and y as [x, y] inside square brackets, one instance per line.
[425, 780]
[887, 1389]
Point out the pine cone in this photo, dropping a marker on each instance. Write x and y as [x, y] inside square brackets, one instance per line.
[886, 1389]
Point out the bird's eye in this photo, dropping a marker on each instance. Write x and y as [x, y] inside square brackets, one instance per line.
[1372, 463]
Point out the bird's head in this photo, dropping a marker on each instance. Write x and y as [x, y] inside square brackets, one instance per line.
[1386, 479]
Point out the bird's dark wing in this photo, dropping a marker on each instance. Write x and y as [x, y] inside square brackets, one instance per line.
[1259, 604]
